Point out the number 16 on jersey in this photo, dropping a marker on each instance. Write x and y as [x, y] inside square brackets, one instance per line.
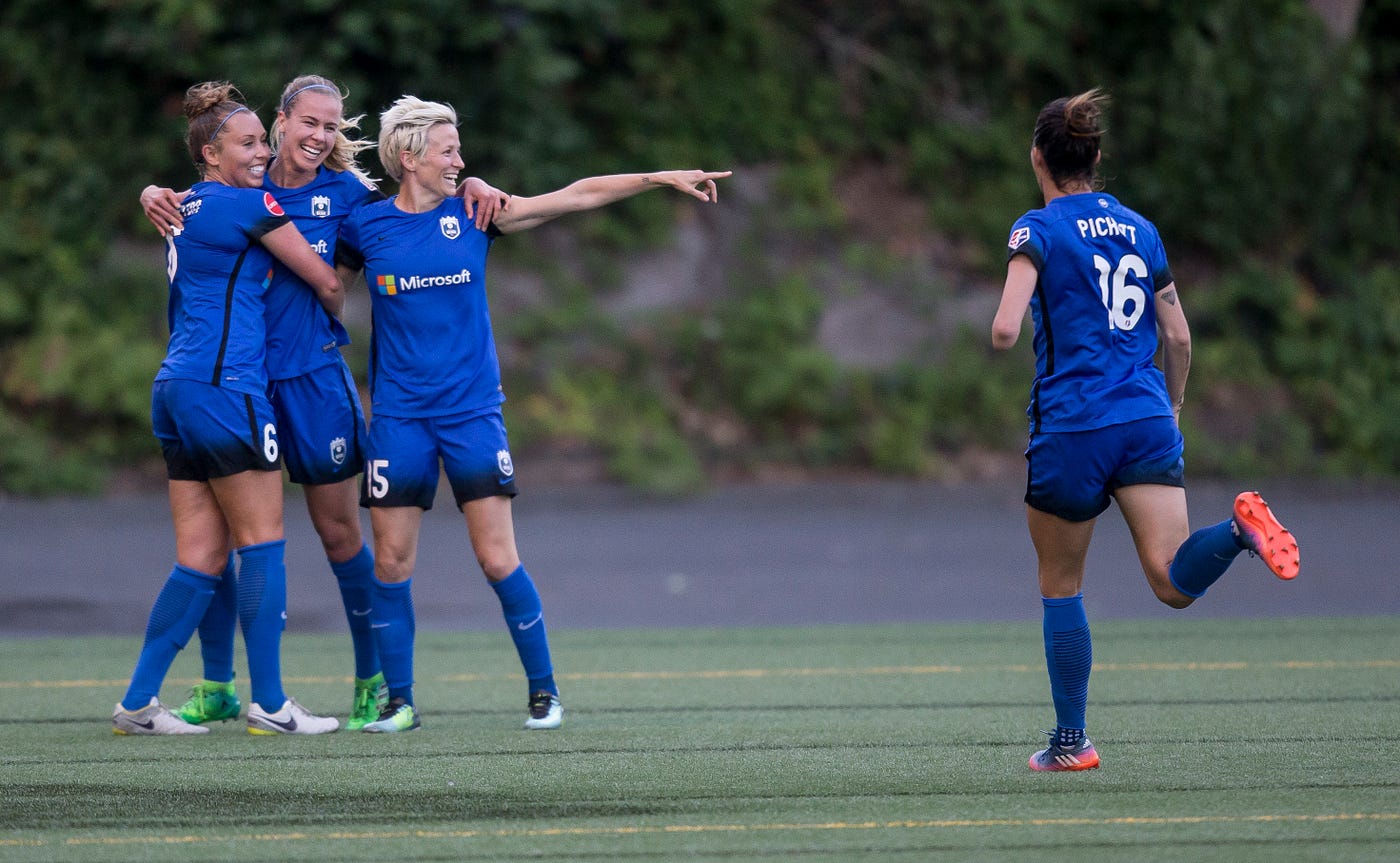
[1125, 301]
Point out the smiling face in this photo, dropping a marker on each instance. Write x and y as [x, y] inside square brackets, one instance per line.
[435, 172]
[239, 155]
[309, 129]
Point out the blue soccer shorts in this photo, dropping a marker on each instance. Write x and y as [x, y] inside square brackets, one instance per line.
[321, 424]
[401, 463]
[207, 432]
[1073, 474]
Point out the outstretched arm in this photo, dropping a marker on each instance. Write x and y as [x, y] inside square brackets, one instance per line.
[162, 207]
[594, 192]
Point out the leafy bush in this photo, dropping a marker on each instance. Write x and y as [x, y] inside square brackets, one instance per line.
[1239, 126]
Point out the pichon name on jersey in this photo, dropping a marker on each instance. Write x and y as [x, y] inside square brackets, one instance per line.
[413, 283]
[1106, 226]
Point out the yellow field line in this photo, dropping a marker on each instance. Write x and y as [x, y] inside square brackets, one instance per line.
[939, 824]
[759, 673]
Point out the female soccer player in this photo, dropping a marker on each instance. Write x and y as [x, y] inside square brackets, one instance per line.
[315, 177]
[1103, 418]
[436, 383]
[216, 428]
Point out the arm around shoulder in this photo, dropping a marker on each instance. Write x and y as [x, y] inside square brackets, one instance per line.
[288, 245]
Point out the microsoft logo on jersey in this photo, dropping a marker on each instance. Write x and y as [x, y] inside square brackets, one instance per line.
[390, 285]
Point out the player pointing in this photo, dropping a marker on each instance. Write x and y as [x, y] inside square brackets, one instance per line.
[436, 383]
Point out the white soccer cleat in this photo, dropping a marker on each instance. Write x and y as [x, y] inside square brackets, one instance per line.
[291, 719]
[154, 718]
[545, 712]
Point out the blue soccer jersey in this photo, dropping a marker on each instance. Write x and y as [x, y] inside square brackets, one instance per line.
[301, 334]
[219, 272]
[432, 352]
[1100, 266]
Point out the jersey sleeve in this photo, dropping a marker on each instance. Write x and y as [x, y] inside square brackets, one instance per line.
[261, 214]
[1161, 271]
[355, 191]
[1027, 238]
[347, 244]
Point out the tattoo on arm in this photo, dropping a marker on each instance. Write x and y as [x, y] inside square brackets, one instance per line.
[1169, 298]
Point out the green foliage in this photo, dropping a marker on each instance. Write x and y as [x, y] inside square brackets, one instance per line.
[1344, 362]
[1238, 126]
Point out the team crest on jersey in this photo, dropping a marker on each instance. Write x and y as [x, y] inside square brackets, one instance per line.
[450, 229]
[504, 463]
[338, 450]
[1018, 236]
[320, 205]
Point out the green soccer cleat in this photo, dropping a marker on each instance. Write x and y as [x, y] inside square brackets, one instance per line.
[210, 701]
[371, 697]
[399, 715]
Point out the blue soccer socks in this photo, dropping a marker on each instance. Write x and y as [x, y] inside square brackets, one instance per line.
[355, 577]
[216, 630]
[262, 614]
[178, 609]
[1203, 558]
[392, 621]
[520, 603]
[1069, 656]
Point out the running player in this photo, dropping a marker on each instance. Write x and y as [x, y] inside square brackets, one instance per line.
[315, 177]
[216, 428]
[436, 384]
[1103, 418]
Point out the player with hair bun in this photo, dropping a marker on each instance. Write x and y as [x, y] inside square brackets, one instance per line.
[315, 176]
[216, 427]
[1103, 417]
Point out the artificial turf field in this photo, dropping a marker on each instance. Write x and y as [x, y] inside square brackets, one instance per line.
[1238, 740]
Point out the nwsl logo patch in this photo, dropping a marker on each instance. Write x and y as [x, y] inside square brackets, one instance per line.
[1018, 236]
[272, 206]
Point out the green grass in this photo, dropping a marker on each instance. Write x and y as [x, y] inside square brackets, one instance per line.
[1267, 740]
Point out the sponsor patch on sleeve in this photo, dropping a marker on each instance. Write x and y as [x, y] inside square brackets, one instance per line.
[272, 206]
[1018, 236]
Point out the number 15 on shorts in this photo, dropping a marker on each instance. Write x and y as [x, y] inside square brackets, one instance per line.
[376, 480]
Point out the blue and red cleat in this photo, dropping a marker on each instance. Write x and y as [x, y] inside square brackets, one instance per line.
[1264, 537]
[1057, 758]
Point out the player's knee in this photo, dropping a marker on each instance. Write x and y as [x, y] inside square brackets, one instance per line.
[1168, 595]
[392, 566]
[340, 538]
[498, 563]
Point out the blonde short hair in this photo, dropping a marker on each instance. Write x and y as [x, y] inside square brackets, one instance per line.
[404, 127]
